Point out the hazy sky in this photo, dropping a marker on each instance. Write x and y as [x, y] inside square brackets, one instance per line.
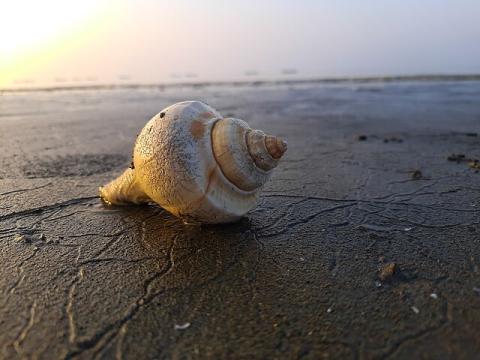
[62, 41]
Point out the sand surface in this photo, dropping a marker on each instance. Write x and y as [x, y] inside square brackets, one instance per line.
[366, 242]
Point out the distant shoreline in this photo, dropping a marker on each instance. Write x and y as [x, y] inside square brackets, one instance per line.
[333, 80]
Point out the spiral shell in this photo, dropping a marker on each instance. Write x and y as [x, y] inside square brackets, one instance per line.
[197, 165]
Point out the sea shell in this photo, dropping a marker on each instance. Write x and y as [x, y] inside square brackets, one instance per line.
[197, 165]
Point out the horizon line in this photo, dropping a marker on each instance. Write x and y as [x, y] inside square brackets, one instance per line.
[258, 82]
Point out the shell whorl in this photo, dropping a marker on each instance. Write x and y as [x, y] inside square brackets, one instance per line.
[244, 155]
[265, 150]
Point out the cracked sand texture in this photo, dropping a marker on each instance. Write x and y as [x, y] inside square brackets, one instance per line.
[297, 278]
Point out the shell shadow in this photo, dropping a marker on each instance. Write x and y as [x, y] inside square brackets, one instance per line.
[189, 255]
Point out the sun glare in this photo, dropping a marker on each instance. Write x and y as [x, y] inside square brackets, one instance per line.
[32, 30]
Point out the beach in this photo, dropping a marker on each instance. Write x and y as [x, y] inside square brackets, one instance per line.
[365, 243]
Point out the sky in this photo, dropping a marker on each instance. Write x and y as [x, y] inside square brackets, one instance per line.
[64, 42]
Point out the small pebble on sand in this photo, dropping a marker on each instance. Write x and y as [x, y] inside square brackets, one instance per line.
[23, 238]
[474, 164]
[417, 175]
[182, 326]
[387, 271]
[19, 237]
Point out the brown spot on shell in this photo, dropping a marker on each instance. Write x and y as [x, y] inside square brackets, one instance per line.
[197, 129]
[206, 115]
[276, 146]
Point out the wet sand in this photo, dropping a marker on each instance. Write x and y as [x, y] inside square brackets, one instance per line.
[366, 242]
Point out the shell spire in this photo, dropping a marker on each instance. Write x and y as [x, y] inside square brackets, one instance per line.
[265, 150]
[276, 146]
[245, 156]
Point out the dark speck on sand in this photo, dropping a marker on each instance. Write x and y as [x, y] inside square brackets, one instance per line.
[457, 157]
[417, 175]
[81, 280]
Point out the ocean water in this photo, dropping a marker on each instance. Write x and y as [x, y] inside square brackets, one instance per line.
[447, 104]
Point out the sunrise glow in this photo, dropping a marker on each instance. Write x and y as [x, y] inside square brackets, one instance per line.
[62, 43]
[32, 32]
